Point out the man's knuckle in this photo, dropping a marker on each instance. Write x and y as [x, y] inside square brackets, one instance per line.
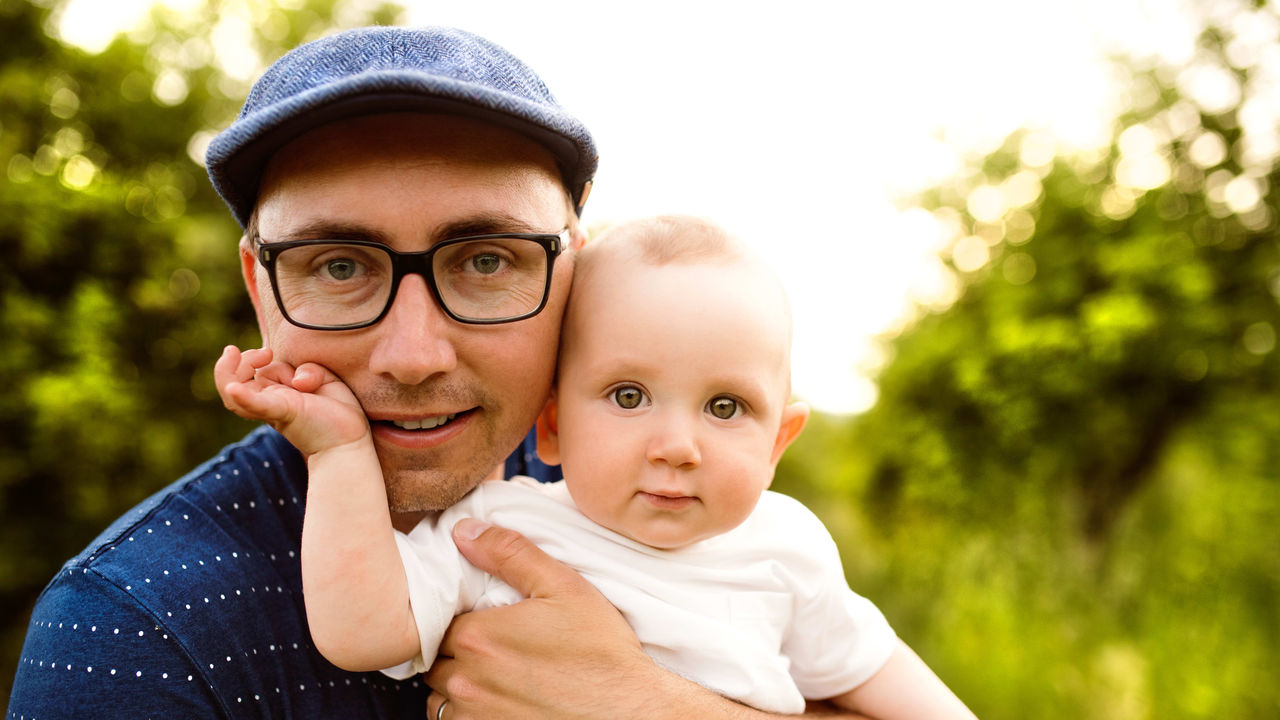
[508, 545]
[470, 639]
[462, 690]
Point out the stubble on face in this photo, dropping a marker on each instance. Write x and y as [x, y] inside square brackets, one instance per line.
[436, 479]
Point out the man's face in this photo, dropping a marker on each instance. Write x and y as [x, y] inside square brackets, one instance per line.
[411, 181]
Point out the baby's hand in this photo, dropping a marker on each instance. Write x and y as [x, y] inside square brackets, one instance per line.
[309, 405]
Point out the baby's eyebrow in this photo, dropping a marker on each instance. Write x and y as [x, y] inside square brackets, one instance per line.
[750, 387]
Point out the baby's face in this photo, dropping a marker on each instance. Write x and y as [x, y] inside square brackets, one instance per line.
[671, 395]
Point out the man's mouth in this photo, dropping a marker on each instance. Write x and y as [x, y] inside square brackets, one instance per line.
[426, 423]
[421, 432]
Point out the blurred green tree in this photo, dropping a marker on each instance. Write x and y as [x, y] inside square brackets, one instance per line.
[1064, 498]
[119, 285]
[1070, 480]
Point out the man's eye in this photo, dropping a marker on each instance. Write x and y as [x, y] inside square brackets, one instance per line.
[486, 264]
[725, 408]
[628, 398]
[341, 269]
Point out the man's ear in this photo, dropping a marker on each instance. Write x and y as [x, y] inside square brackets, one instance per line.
[249, 271]
[549, 433]
[794, 417]
[249, 268]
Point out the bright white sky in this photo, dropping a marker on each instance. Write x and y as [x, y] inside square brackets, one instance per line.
[800, 124]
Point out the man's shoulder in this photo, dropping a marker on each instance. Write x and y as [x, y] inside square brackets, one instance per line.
[231, 525]
[168, 583]
[191, 600]
[262, 472]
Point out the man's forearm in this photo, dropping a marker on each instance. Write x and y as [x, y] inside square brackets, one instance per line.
[688, 699]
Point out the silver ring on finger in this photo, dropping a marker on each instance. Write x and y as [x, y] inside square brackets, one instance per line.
[440, 710]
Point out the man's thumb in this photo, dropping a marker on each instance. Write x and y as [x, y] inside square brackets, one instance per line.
[512, 558]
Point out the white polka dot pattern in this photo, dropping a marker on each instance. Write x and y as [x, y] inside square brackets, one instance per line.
[191, 605]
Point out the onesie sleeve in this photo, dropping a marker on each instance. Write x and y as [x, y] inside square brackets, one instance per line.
[839, 639]
[441, 582]
[432, 567]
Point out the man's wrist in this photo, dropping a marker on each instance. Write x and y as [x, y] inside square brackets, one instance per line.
[677, 698]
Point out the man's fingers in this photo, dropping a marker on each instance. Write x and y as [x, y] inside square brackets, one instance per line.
[509, 556]
[513, 660]
[434, 701]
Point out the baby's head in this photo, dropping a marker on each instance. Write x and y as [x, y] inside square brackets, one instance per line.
[672, 400]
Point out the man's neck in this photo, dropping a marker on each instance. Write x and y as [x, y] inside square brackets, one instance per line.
[406, 521]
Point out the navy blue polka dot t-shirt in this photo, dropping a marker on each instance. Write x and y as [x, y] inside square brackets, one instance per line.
[190, 605]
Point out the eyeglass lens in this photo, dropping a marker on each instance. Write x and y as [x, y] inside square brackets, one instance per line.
[337, 284]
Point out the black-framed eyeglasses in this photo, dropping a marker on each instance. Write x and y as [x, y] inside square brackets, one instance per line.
[349, 284]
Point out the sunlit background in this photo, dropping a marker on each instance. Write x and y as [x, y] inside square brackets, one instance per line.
[1031, 245]
[802, 126]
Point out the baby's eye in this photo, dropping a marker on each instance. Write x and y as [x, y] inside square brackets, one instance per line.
[628, 397]
[725, 408]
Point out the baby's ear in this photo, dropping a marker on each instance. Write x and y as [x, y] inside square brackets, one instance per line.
[548, 433]
[794, 417]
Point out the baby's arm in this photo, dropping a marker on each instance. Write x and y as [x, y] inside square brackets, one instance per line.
[840, 640]
[904, 688]
[354, 585]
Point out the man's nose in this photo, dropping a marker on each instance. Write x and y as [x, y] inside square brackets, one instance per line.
[415, 338]
[674, 442]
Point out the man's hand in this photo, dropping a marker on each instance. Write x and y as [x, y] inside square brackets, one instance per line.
[563, 653]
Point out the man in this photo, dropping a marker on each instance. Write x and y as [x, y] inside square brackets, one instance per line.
[191, 604]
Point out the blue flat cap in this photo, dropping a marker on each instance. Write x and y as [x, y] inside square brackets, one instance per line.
[390, 69]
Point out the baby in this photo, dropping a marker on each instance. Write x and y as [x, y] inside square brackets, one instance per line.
[670, 412]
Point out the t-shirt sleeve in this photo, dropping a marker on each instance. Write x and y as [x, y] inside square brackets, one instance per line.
[93, 651]
[839, 639]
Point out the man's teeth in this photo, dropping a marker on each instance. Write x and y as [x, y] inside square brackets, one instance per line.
[424, 423]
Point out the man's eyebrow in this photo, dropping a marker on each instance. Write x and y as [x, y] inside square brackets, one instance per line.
[487, 224]
[329, 230]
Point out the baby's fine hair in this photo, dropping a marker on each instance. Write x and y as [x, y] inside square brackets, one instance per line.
[672, 240]
[664, 240]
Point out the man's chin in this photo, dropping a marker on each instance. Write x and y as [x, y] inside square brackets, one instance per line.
[418, 491]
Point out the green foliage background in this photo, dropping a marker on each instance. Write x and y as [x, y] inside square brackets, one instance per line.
[1065, 498]
[119, 285]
